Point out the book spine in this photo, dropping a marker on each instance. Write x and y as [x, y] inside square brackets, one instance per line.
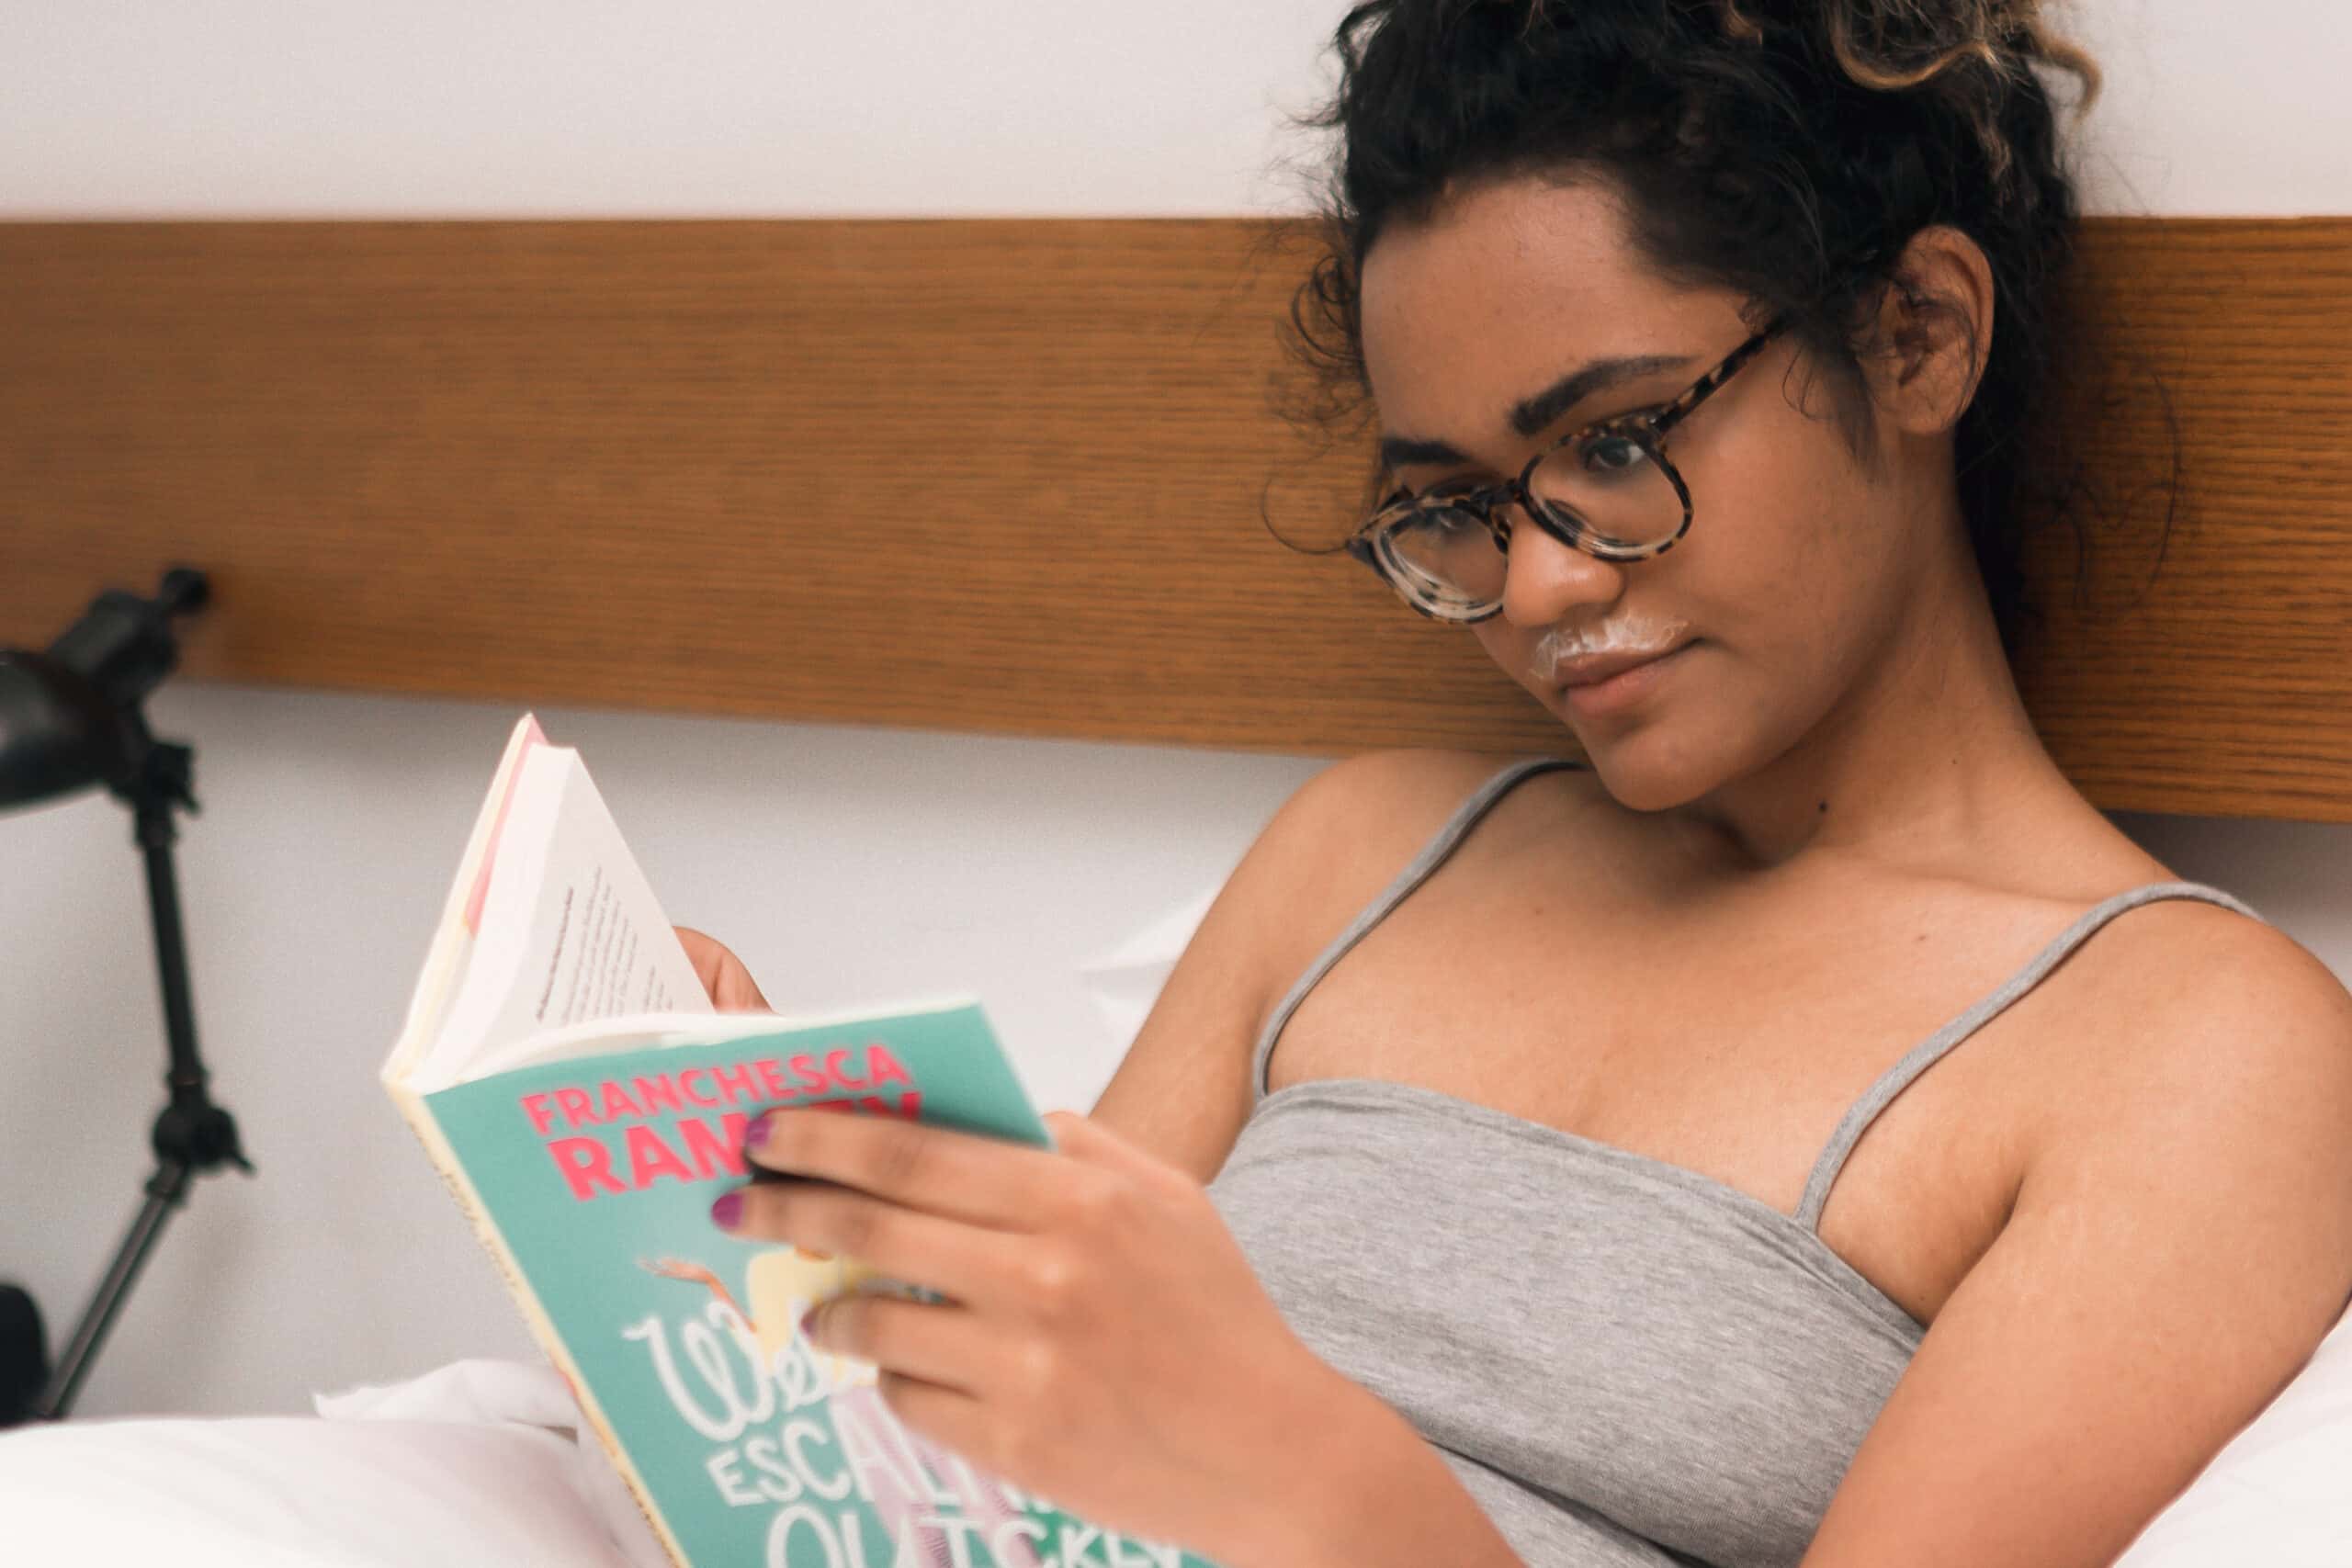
[445, 1164]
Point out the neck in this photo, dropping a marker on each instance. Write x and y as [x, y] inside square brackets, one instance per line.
[1928, 761]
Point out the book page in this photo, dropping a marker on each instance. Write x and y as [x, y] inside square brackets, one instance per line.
[600, 944]
[569, 928]
[453, 938]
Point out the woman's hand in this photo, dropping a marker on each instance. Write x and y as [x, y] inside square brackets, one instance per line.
[1104, 1343]
[721, 972]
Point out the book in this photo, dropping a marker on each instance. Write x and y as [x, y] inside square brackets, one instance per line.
[583, 1102]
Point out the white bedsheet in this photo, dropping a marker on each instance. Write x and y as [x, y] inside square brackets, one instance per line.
[479, 1463]
[476, 1463]
[2279, 1495]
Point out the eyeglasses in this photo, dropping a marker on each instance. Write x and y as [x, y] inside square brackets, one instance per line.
[1605, 488]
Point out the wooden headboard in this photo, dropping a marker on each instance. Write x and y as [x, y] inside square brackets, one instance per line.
[1007, 476]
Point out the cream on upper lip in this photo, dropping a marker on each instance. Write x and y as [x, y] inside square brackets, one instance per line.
[1583, 659]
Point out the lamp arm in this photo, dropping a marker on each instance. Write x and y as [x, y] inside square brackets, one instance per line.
[192, 1135]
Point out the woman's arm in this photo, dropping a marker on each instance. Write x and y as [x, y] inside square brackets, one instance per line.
[2173, 1260]
[1371, 1493]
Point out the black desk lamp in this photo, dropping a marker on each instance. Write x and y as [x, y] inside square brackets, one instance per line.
[69, 720]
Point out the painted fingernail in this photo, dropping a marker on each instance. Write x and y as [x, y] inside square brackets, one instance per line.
[809, 1324]
[757, 1132]
[727, 1211]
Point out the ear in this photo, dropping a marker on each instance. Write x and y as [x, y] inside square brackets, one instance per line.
[1934, 332]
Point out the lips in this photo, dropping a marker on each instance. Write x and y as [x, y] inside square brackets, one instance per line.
[1599, 667]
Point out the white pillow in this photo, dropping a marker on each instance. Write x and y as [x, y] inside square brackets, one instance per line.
[2280, 1494]
[300, 1491]
[487, 1486]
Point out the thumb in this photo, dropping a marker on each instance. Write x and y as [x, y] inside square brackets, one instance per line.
[1095, 1142]
[724, 979]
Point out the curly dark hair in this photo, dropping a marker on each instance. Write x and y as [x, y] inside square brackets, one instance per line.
[1786, 150]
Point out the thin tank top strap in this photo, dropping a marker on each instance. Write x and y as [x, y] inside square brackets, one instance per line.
[1433, 854]
[1925, 1055]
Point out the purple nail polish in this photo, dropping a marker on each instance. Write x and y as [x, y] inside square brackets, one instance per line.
[757, 1132]
[727, 1211]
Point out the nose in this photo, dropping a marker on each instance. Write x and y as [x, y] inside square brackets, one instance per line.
[1545, 581]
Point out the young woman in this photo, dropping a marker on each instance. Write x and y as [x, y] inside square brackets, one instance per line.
[1804, 1130]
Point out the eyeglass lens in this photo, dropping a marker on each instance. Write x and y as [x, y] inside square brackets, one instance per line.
[1601, 485]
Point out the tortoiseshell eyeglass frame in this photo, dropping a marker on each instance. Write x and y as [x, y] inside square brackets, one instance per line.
[1644, 428]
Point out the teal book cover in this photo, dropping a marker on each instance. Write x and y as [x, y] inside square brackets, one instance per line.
[750, 1445]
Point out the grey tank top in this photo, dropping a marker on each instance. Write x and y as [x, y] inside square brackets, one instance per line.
[1624, 1362]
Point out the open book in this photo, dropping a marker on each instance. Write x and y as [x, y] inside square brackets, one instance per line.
[584, 1104]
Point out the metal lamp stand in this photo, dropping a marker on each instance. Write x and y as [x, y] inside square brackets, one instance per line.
[192, 1135]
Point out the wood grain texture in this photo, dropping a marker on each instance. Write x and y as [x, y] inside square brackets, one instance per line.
[1006, 476]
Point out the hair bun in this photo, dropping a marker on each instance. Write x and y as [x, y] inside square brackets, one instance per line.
[1893, 45]
[1971, 52]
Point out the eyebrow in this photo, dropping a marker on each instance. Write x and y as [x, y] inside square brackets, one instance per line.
[1532, 414]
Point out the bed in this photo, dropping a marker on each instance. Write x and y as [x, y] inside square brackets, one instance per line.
[337, 419]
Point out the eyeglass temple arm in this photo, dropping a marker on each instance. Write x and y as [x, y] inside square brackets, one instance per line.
[1674, 413]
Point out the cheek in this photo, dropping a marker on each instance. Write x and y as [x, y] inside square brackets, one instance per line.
[1790, 582]
[1507, 647]
[1794, 522]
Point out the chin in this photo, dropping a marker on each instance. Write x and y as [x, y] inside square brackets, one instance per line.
[1645, 794]
[1644, 769]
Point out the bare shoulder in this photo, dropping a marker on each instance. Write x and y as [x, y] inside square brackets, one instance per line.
[2195, 973]
[1378, 803]
[1335, 843]
[1401, 774]
[1183, 1090]
[2251, 1001]
[2229, 1056]
[1370, 816]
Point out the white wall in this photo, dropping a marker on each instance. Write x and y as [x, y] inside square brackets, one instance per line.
[331, 823]
[273, 108]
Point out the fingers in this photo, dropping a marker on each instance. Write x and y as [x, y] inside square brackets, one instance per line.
[965, 1176]
[1082, 1138]
[724, 979]
[958, 1260]
[736, 992]
[962, 1422]
[942, 1346]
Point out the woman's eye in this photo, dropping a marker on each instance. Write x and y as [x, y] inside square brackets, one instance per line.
[1610, 454]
